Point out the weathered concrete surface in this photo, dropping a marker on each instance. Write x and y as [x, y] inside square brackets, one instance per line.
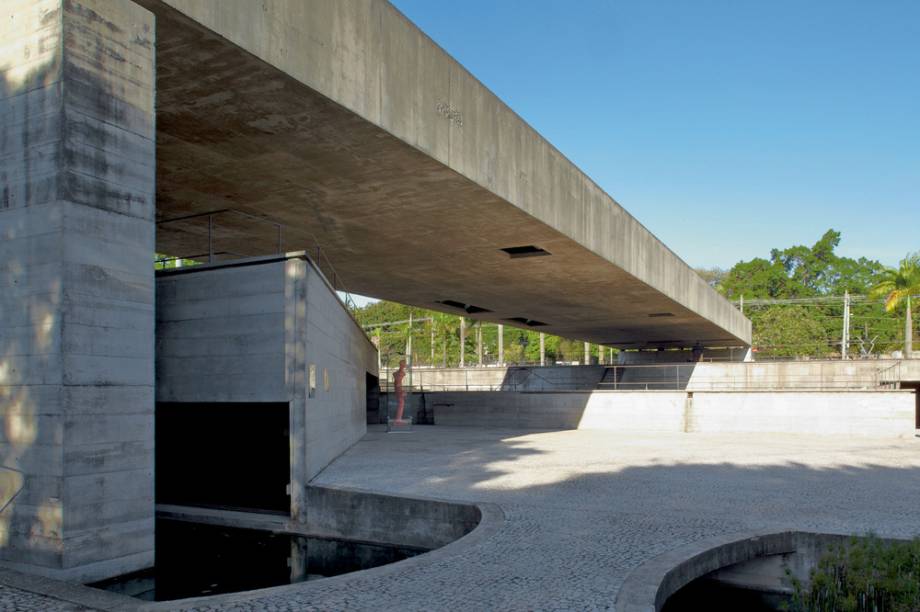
[254, 331]
[673, 370]
[345, 123]
[861, 413]
[76, 286]
[583, 509]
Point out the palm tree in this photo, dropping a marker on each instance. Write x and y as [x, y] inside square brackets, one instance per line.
[898, 285]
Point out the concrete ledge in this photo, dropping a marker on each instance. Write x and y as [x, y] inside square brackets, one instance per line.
[490, 519]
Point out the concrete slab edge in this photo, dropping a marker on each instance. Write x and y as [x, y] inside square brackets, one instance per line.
[492, 518]
[648, 587]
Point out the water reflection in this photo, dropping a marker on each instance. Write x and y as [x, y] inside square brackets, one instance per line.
[194, 560]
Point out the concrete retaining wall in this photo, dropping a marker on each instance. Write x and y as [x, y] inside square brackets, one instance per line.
[406, 521]
[671, 370]
[876, 413]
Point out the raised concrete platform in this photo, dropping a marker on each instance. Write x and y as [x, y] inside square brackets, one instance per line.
[583, 509]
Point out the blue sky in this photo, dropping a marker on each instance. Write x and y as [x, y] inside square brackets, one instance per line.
[726, 127]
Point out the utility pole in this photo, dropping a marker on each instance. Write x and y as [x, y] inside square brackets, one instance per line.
[845, 342]
[431, 328]
[741, 302]
[379, 348]
[600, 354]
[479, 343]
[542, 349]
[587, 353]
[462, 342]
[409, 351]
[908, 332]
[501, 344]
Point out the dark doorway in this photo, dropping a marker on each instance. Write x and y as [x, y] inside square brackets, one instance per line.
[227, 455]
[372, 384]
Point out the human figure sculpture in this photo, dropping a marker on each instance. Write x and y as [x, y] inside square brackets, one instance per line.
[398, 376]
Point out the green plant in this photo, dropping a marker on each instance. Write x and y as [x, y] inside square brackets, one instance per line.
[863, 574]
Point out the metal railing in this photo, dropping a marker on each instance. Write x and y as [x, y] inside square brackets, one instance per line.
[315, 251]
[705, 376]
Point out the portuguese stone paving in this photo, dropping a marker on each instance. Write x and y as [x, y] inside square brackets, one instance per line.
[583, 508]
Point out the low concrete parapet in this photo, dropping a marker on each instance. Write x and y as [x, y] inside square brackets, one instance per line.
[872, 413]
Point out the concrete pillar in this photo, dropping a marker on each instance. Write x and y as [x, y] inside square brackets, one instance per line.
[77, 207]
[501, 344]
[587, 353]
[542, 349]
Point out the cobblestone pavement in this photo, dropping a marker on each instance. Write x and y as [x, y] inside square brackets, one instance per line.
[17, 600]
[583, 508]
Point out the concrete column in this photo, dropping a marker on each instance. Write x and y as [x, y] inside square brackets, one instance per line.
[542, 349]
[77, 204]
[587, 353]
[501, 344]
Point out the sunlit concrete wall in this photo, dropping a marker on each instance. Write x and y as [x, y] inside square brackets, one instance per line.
[267, 330]
[871, 413]
[76, 286]
[676, 370]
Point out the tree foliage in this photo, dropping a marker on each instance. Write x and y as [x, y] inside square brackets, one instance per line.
[801, 271]
[814, 271]
[789, 331]
[520, 345]
[863, 575]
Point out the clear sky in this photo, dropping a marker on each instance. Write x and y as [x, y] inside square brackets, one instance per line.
[726, 127]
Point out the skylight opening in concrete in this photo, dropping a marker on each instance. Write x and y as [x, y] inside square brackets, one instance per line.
[525, 251]
[469, 308]
[527, 322]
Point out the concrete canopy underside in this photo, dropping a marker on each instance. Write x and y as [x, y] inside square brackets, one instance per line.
[348, 126]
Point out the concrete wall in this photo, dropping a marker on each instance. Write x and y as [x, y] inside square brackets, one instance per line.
[221, 335]
[77, 167]
[252, 331]
[359, 515]
[342, 353]
[884, 413]
[875, 413]
[675, 372]
[510, 378]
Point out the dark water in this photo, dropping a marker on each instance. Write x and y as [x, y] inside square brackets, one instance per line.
[195, 560]
[713, 596]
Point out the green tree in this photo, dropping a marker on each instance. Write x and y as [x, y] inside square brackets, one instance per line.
[789, 331]
[897, 286]
[800, 271]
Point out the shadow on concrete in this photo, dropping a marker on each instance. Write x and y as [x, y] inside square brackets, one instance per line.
[842, 485]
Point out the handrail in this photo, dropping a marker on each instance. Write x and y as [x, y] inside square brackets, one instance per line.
[320, 259]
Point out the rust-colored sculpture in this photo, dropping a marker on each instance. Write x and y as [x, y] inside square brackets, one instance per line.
[398, 376]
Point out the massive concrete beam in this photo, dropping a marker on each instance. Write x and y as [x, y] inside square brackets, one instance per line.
[345, 123]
